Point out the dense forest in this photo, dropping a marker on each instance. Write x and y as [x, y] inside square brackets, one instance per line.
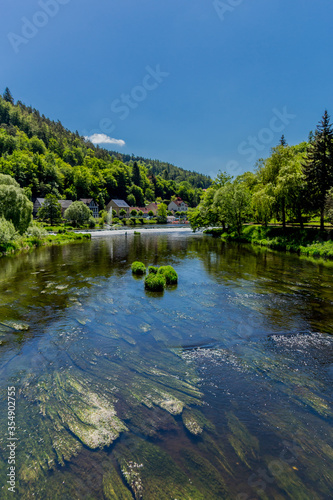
[45, 158]
[167, 170]
[294, 184]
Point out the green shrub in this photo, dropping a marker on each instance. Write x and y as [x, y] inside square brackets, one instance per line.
[152, 270]
[36, 230]
[7, 231]
[155, 282]
[169, 273]
[138, 268]
[92, 222]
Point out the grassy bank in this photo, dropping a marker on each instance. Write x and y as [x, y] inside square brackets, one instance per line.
[27, 243]
[309, 241]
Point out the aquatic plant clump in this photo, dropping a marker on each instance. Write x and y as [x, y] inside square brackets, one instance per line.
[152, 269]
[155, 282]
[138, 268]
[170, 274]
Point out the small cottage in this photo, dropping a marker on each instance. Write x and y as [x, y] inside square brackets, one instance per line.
[118, 205]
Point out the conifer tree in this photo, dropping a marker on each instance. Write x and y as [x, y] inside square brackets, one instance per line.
[318, 168]
[136, 174]
[8, 96]
[283, 141]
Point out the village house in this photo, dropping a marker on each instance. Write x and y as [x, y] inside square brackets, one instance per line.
[64, 205]
[37, 205]
[152, 207]
[141, 209]
[145, 210]
[178, 205]
[92, 205]
[118, 205]
[40, 201]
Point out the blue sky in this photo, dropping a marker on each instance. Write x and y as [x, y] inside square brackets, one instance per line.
[206, 85]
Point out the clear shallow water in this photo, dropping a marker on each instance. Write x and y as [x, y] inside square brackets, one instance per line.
[217, 388]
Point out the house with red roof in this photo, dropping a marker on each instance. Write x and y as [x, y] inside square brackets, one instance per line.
[178, 205]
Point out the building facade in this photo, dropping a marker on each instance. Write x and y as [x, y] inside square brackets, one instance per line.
[178, 205]
[118, 205]
[92, 205]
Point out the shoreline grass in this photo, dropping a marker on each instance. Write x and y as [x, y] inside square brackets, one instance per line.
[310, 242]
[27, 243]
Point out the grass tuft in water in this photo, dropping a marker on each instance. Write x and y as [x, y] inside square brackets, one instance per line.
[138, 268]
[155, 282]
[170, 274]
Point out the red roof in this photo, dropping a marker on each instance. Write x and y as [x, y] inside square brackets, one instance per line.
[179, 201]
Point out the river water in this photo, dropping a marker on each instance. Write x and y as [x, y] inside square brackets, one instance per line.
[218, 388]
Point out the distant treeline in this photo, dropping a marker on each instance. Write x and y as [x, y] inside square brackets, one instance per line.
[46, 158]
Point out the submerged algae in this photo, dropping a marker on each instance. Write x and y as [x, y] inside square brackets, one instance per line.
[86, 353]
[241, 440]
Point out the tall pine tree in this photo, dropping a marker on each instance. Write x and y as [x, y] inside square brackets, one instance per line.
[8, 96]
[318, 168]
[283, 141]
[136, 174]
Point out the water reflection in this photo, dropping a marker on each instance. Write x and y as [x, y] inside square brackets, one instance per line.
[186, 394]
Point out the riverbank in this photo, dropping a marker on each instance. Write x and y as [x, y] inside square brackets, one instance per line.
[142, 230]
[24, 244]
[309, 242]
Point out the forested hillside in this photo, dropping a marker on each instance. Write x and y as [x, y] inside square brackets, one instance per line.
[168, 171]
[45, 158]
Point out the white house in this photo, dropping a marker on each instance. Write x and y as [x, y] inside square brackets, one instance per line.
[178, 206]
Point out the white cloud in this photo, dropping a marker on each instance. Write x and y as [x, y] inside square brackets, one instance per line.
[104, 139]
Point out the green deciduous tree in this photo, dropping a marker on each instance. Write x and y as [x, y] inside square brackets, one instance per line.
[162, 213]
[78, 213]
[131, 200]
[263, 201]
[14, 205]
[139, 196]
[278, 176]
[233, 201]
[290, 185]
[221, 179]
[50, 210]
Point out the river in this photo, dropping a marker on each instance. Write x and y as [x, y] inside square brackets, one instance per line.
[217, 388]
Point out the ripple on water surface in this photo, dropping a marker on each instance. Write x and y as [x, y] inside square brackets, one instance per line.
[186, 394]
